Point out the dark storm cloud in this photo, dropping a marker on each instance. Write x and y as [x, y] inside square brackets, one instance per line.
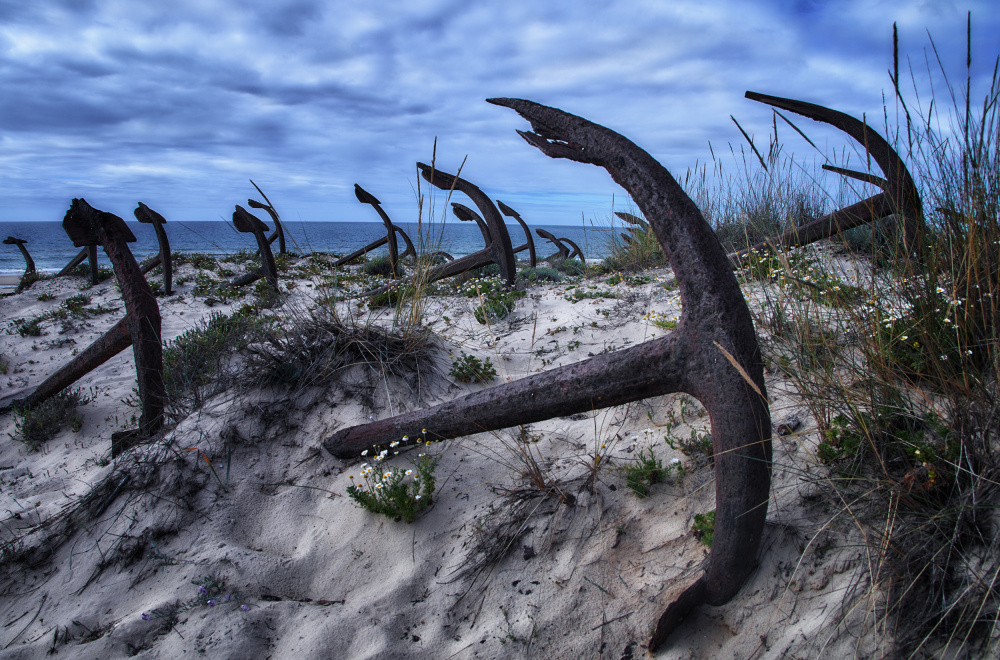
[181, 105]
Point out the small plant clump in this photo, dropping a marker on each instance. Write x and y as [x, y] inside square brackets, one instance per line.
[648, 470]
[704, 527]
[37, 425]
[497, 306]
[469, 368]
[381, 265]
[540, 274]
[392, 491]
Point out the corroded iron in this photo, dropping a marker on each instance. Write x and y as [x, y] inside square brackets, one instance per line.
[410, 250]
[366, 197]
[140, 328]
[279, 231]
[248, 223]
[501, 251]
[89, 252]
[29, 263]
[498, 249]
[465, 214]
[897, 184]
[529, 244]
[148, 216]
[700, 357]
[855, 215]
[563, 251]
[638, 224]
[577, 253]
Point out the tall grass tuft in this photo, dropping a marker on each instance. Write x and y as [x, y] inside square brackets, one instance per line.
[903, 386]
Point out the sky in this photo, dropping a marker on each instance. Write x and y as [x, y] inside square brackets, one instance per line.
[180, 104]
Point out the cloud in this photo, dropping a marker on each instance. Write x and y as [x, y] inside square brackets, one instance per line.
[183, 104]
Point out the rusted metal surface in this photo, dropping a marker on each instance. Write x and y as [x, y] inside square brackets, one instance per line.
[898, 184]
[465, 214]
[563, 252]
[148, 216]
[105, 347]
[248, 223]
[89, 252]
[638, 224]
[29, 263]
[855, 215]
[279, 231]
[366, 197]
[140, 328]
[529, 244]
[410, 250]
[577, 253]
[715, 327]
[500, 248]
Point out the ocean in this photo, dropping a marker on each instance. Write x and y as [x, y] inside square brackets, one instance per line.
[51, 248]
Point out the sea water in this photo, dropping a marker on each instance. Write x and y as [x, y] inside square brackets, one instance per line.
[51, 248]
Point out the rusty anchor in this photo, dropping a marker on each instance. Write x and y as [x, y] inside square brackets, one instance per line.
[148, 216]
[899, 194]
[140, 328]
[464, 213]
[700, 357]
[498, 248]
[639, 226]
[560, 243]
[248, 223]
[366, 197]
[29, 263]
[279, 231]
[89, 252]
[529, 244]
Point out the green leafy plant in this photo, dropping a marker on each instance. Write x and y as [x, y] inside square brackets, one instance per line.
[497, 307]
[37, 425]
[393, 491]
[469, 368]
[704, 527]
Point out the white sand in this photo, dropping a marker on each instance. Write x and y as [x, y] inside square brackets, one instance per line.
[322, 578]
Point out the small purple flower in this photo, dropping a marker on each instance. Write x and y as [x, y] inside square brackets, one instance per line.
[211, 602]
[227, 596]
[202, 589]
[244, 607]
[145, 616]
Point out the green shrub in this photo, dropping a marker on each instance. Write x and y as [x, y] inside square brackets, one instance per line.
[497, 306]
[37, 425]
[392, 491]
[469, 368]
[704, 527]
[193, 360]
[540, 275]
[381, 265]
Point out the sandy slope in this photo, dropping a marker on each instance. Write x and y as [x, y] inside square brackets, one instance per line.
[311, 575]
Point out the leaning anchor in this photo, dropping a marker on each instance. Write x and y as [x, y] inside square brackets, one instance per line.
[713, 345]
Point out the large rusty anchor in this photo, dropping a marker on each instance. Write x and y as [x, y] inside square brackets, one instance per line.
[366, 197]
[247, 223]
[29, 263]
[705, 356]
[279, 231]
[529, 244]
[899, 193]
[498, 248]
[140, 328]
[146, 215]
